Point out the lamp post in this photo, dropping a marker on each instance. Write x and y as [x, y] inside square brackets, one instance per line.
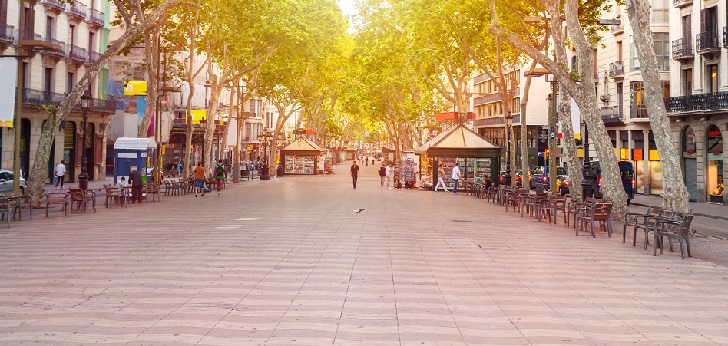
[587, 184]
[83, 176]
[266, 135]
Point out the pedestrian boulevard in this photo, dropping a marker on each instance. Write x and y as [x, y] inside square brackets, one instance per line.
[289, 262]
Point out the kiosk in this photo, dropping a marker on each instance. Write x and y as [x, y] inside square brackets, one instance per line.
[133, 153]
[301, 157]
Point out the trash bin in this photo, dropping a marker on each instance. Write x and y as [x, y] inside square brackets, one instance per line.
[279, 171]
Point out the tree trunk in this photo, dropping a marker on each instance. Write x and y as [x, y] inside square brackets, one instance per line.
[211, 123]
[524, 127]
[612, 188]
[39, 171]
[568, 144]
[675, 194]
[151, 52]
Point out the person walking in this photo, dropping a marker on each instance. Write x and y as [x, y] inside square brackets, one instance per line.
[179, 169]
[366, 160]
[388, 173]
[219, 176]
[456, 177]
[382, 174]
[199, 178]
[354, 173]
[440, 175]
[60, 173]
[135, 181]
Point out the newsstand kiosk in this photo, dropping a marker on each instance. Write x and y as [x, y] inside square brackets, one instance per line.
[133, 153]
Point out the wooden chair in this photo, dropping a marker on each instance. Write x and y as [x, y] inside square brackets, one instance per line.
[113, 196]
[678, 229]
[514, 199]
[57, 197]
[600, 213]
[153, 190]
[82, 198]
[18, 203]
[649, 223]
[560, 203]
[632, 219]
[579, 208]
[5, 210]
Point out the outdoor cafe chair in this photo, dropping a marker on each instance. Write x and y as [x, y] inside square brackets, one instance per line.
[5, 210]
[82, 198]
[559, 203]
[18, 203]
[678, 229]
[600, 213]
[113, 196]
[514, 199]
[632, 219]
[649, 224]
[581, 209]
[57, 197]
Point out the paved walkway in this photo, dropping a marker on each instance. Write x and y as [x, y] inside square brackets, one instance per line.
[287, 262]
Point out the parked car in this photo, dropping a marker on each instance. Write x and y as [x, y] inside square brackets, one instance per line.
[6, 182]
[518, 176]
[626, 171]
[540, 176]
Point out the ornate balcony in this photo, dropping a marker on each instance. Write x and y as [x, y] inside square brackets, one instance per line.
[76, 11]
[76, 54]
[53, 6]
[681, 3]
[617, 29]
[698, 103]
[95, 19]
[611, 116]
[40, 98]
[92, 57]
[707, 42]
[7, 34]
[616, 69]
[682, 49]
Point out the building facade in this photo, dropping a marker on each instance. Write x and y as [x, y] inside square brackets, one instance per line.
[620, 90]
[490, 122]
[81, 30]
[698, 102]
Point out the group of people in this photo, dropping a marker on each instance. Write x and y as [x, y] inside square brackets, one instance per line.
[200, 176]
[174, 169]
[385, 171]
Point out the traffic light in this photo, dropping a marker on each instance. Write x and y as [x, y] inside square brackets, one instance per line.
[546, 153]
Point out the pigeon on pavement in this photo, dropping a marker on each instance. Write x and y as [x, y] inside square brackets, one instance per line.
[358, 210]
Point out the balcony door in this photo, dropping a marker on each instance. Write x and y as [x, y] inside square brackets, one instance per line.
[712, 79]
[709, 20]
[687, 82]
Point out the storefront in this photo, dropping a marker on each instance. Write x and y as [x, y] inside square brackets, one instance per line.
[714, 164]
[301, 157]
[476, 157]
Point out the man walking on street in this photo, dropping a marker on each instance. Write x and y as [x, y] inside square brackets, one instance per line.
[388, 173]
[456, 177]
[219, 175]
[60, 173]
[135, 180]
[440, 177]
[354, 173]
[199, 178]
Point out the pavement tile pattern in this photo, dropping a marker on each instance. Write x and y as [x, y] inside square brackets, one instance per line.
[287, 262]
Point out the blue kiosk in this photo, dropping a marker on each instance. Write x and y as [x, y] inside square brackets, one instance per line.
[133, 153]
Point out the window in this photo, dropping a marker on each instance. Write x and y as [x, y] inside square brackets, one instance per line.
[619, 50]
[686, 31]
[72, 34]
[662, 50]
[660, 11]
[634, 62]
[712, 79]
[29, 14]
[620, 99]
[50, 27]
[638, 109]
[3, 11]
[687, 82]
[91, 41]
[70, 82]
[48, 80]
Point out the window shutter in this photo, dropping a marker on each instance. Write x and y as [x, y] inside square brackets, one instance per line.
[703, 20]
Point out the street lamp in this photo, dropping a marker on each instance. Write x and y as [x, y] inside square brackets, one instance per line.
[267, 136]
[587, 184]
[85, 105]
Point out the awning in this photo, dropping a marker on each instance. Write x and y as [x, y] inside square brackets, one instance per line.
[131, 143]
[454, 116]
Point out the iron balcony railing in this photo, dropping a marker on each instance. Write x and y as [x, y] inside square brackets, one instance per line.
[682, 48]
[93, 57]
[492, 97]
[52, 40]
[96, 16]
[707, 40]
[615, 29]
[681, 3]
[725, 36]
[41, 97]
[32, 36]
[7, 32]
[77, 53]
[616, 68]
[697, 102]
[53, 3]
[76, 8]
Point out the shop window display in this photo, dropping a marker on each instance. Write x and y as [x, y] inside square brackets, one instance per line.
[714, 164]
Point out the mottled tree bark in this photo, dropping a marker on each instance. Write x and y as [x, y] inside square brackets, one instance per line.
[675, 194]
[151, 52]
[524, 128]
[211, 122]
